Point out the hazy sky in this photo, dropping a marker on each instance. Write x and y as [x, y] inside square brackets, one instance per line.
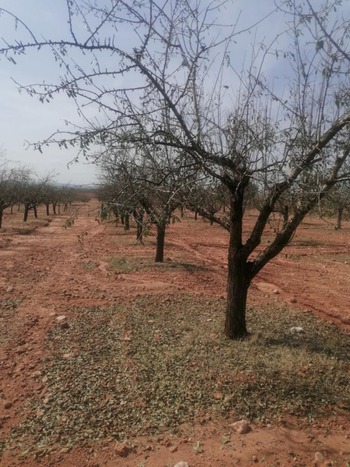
[23, 118]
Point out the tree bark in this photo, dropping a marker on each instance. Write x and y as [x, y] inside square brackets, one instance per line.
[160, 243]
[285, 214]
[1, 216]
[138, 215]
[238, 283]
[47, 209]
[340, 217]
[26, 212]
[239, 276]
[116, 215]
[127, 221]
[35, 212]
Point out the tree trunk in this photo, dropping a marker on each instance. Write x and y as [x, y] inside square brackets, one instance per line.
[26, 212]
[11, 208]
[116, 215]
[138, 215]
[127, 221]
[239, 276]
[238, 282]
[285, 214]
[182, 211]
[1, 216]
[54, 208]
[47, 209]
[160, 243]
[340, 217]
[195, 215]
[35, 212]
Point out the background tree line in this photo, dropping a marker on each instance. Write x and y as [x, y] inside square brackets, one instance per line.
[21, 186]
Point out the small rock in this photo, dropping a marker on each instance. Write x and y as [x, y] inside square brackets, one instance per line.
[276, 291]
[242, 427]
[166, 442]
[173, 449]
[61, 318]
[293, 300]
[318, 457]
[217, 395]
[64, 450]
[255, 459]
[182, 464]
[62, 322]
[10, 289]
[122, 450]
[7, 405]
[297, 330]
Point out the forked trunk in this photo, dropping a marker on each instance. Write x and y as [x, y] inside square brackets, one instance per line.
[160, 243]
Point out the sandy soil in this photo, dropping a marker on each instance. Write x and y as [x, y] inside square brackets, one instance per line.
[49, 271]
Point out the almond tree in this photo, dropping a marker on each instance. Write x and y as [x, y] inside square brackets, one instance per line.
[11, 181]
[171, 75]
[150, 182]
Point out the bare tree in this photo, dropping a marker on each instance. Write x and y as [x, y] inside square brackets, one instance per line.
[11, 182]
[150, 182]
[175, 83]
[32, 193]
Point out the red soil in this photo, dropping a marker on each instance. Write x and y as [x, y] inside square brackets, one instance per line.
[44, 270]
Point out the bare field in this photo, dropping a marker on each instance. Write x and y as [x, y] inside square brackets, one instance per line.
[140, 374]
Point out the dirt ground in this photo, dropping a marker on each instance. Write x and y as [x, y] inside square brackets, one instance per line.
[54, 268]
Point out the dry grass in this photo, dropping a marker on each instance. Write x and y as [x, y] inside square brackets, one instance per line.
[152, 365]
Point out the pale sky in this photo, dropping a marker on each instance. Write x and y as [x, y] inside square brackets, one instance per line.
[23, 118]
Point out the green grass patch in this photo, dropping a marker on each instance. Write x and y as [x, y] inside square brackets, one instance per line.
[122, 265]
[149, 366]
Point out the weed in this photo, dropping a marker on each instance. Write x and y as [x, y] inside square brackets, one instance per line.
[173, 363]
